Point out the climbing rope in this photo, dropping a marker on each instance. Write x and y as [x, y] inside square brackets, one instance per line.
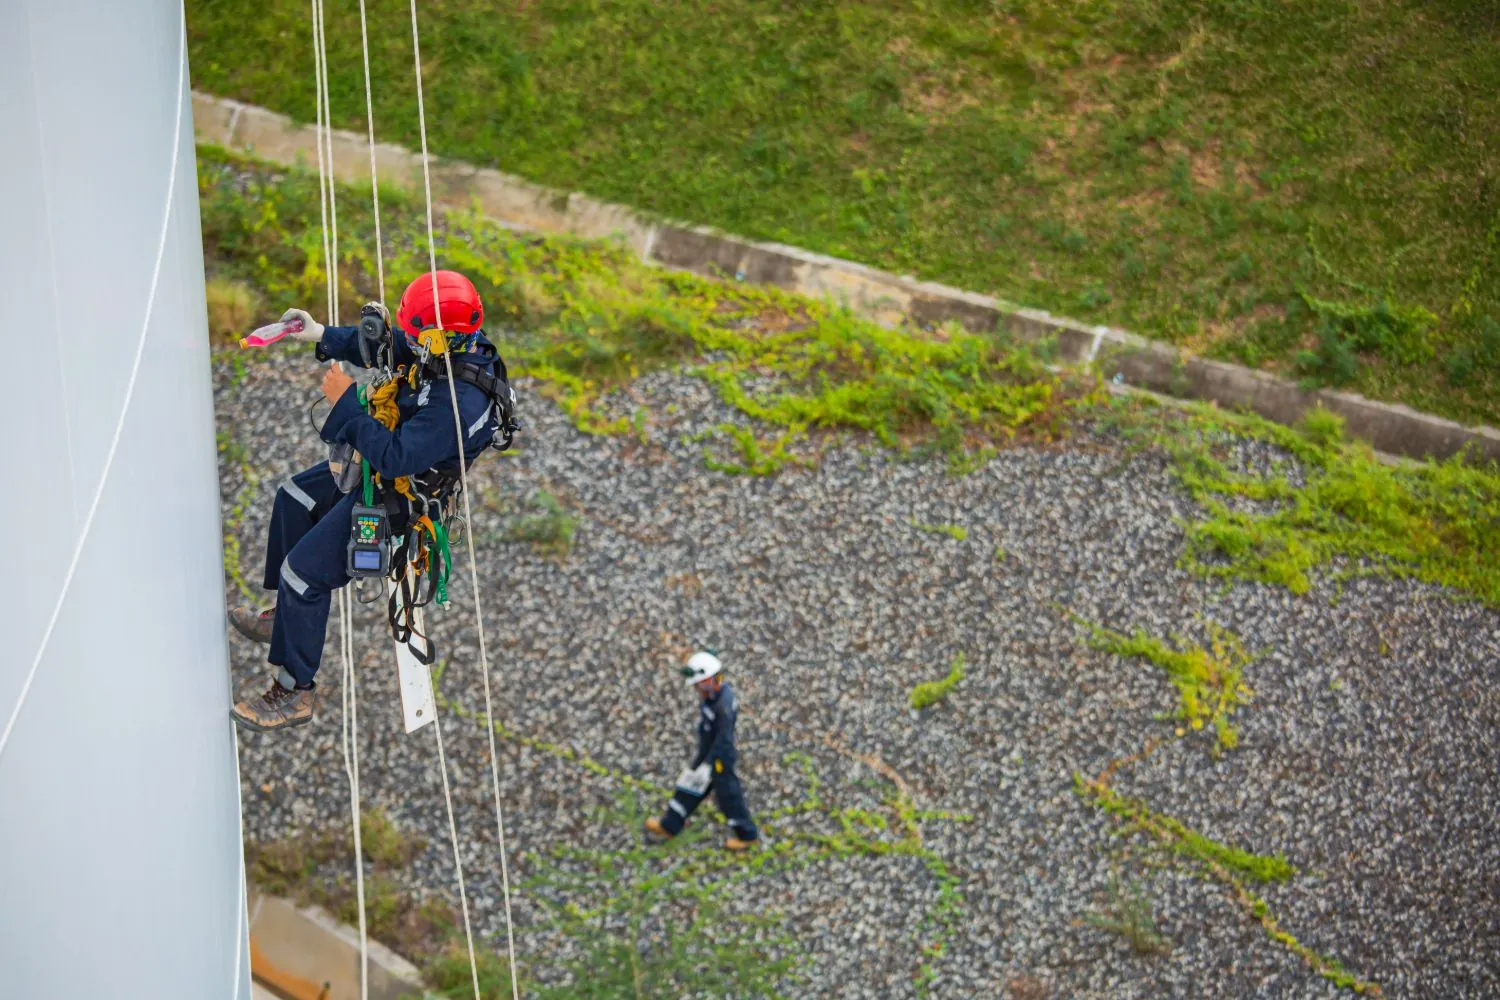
[463, 475]
[328, 205]
[364, 44]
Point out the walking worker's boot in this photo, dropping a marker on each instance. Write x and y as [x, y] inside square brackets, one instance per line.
[654, 827]
[279, 708]
[252, 624]
[736, 844]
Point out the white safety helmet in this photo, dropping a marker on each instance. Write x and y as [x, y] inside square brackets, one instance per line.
[701, 666]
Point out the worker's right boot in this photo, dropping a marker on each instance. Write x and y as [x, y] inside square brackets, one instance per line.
[252, 624]
[281, 707]
[654, 827]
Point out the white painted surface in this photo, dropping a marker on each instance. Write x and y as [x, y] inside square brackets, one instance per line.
[120, 871]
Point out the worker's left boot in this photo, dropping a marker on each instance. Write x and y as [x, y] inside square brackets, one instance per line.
[281, 707]
[654, 827]
[252, 624]
[736, 844]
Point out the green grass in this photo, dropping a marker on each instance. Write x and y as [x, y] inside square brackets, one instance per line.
[931, 692]
[1233, 175]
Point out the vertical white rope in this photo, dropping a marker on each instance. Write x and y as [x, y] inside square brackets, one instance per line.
[458, 864]
[318, 142]
[463, 473]
[351, 767]
[364, 41]
[331, 260]
[328, 202]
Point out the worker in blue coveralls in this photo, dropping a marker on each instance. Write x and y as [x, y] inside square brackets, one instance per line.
[712, 770]
[306, 551]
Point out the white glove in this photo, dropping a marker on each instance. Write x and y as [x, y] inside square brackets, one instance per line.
[312, 330]
[694, 779]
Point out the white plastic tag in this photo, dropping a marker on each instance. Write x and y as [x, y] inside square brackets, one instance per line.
[694, 780]
[418, 706]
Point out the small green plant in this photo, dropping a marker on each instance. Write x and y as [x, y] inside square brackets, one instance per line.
[1209, 680]
[384, 843]
[957, 532]
[548, 526]
[1128, 914]
[449, 973]
[1459, 366]
[931, 692]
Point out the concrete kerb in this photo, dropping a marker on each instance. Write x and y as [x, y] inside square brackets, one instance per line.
[885, 298]
[292, 945]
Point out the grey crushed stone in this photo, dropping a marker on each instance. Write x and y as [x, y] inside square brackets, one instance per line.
[1372, 768]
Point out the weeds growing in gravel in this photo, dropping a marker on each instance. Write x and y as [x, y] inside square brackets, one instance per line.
[1436, 521]
[648, 924]
[1183, 840]
[547, 525]
[957, 532]
[1229, 865]
[1208, 680]
[585, 318]
[796, 835]
[931, 692]
[1128, 914]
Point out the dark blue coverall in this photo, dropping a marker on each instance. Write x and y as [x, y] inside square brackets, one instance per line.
[306, 551]
[716, 746]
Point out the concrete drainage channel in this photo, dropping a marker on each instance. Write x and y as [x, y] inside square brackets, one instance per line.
[302, 953]
[886, 298]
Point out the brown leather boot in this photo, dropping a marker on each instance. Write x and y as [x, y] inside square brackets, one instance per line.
[654, 827]
[280, 707]
[252, 624]
[736, 844]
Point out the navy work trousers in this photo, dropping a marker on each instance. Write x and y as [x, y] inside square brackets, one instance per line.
[306, 553]
[728, 795]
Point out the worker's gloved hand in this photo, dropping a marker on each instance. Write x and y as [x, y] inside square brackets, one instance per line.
[312, 330]
[694, 779]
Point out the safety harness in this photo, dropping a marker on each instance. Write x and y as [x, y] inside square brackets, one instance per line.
[418, 509]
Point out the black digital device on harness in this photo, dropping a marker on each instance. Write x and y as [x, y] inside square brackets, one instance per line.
[369, 551]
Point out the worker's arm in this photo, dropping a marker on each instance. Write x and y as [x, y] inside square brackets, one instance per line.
[341, 343]
[706, 731]
[416, 445]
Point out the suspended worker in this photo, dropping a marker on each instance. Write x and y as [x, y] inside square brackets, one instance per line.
[712, 770]
[309, 552]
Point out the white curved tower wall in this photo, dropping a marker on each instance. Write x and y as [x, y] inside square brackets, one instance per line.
[120, 855]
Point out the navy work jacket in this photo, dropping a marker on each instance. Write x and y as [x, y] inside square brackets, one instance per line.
[716, 729]
[423, 438]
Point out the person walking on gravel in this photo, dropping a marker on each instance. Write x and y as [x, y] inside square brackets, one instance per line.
[712, 770]
[307, 545]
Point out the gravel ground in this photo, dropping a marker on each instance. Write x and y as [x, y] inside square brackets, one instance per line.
[1368, 754]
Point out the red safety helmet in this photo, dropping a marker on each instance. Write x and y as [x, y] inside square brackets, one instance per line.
[461, 310]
